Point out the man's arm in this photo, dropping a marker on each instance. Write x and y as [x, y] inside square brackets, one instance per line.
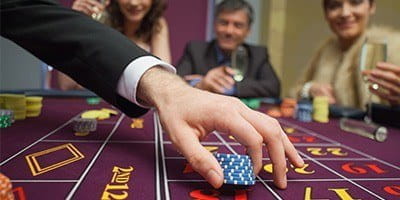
[91, 53]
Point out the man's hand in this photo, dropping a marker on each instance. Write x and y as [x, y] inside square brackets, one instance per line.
[387, 76]
[189, 114]
[217, 80]
[323, 89]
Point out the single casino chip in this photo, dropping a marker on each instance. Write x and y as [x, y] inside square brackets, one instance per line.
[81, 134]
[103, 116]
[222, 155]
[236, 167]
[238, 178]
[241, 164]
[245, 171]
[33, 113]
[288, 130]
[95, 114]
[5, 188]
[230, 159]
[233, 159]
[93, 100]
[90, 114]
[229, 174]
[238, 182]
[110, 111]
[33, 99]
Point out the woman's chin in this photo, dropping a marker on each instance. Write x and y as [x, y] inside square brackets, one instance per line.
[348, 34]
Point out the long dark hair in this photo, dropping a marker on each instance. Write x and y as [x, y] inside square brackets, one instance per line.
[149, 24]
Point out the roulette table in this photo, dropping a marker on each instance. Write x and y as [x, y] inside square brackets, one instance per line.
[134, 159]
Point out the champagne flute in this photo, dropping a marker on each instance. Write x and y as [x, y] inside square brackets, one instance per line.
[100, 16]
[372, 52]
[239, 63]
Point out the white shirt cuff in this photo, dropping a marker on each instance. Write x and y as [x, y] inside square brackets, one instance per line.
[130, 78]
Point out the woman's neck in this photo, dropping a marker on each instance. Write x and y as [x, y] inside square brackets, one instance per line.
[345, 44]
[130, 29]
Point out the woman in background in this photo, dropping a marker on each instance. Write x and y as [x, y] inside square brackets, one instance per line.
[141, 21]
[334, 69]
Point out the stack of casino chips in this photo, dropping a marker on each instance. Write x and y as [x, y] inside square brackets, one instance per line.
[321, 109]
[33, 106]
[6, 118]
[304, 111]
[16, 103]
[21, 105]
[237, 169]
[288, 107]
[83, 127]
[5, 188]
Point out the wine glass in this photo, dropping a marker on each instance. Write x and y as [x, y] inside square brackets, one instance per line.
[239, 63]
[372, 52]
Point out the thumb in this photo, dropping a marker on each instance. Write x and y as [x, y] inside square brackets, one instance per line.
[201, 160]
[230, 71]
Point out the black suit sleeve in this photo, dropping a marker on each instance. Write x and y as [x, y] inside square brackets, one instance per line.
[91, 53]
[262, 82]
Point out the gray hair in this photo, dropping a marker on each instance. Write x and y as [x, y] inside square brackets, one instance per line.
[235, 5]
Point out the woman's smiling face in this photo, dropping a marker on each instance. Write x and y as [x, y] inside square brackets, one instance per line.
[348, 19]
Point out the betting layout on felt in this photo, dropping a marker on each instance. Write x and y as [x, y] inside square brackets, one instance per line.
[238, 169]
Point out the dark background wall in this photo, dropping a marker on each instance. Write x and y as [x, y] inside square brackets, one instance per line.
[184, 24]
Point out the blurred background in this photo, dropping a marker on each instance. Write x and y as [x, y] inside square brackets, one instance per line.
[291, 29]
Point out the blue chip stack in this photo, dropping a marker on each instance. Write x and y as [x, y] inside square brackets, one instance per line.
[304, 111]
[237, 169]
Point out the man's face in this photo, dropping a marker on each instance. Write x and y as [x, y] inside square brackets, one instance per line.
[231, 29]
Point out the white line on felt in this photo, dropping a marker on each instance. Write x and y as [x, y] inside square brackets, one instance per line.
[155, 127]
[72, 192]
[160, 133]
[37, 141]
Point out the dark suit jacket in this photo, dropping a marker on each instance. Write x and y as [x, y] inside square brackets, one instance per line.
[91, 53]
[260, 79]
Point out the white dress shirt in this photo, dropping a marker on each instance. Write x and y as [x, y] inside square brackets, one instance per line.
[130, 78]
